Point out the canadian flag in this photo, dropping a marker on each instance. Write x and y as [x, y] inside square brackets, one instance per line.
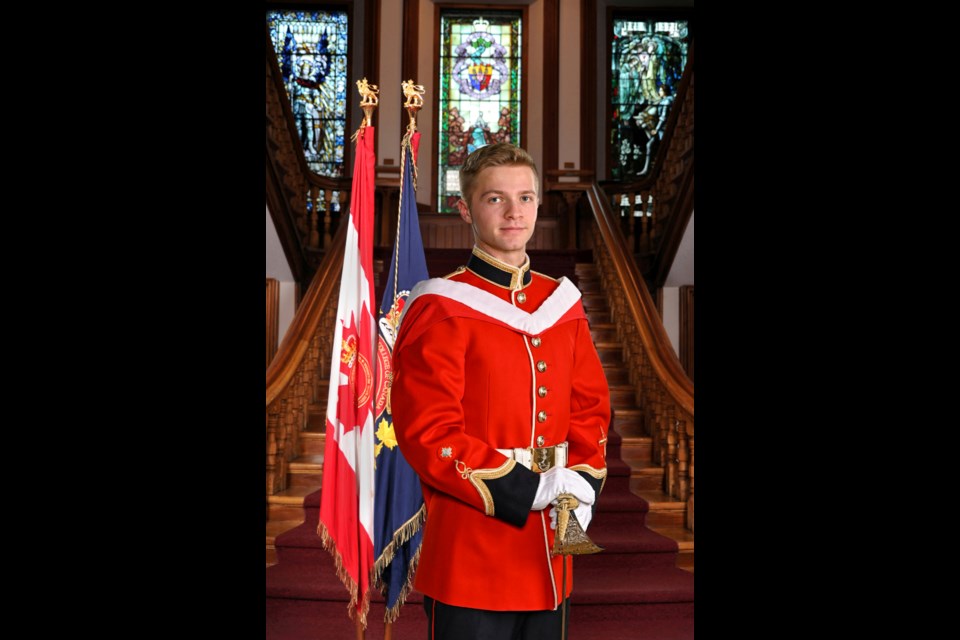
[346, 505]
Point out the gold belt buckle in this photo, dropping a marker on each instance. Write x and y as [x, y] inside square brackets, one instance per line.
[544, 458]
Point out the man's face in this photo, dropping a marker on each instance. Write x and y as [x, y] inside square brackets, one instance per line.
[503, 211]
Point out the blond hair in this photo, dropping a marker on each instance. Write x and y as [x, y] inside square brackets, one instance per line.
[494, 155]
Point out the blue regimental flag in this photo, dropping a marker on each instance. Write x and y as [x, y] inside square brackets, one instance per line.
[398, 510]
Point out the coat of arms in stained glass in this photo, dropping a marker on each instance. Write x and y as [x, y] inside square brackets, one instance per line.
[479, 90]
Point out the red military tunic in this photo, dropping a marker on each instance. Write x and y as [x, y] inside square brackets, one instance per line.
[494, 357]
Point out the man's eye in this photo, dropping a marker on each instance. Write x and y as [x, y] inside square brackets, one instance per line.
[494, 199]
[526, 198]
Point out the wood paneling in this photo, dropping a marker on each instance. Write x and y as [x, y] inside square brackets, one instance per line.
[589, 84]
[445, 231]
[273, 317]
[408, 63]
[551, 83]
[686, 329]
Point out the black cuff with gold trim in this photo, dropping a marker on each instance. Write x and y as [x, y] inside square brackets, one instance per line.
[597, 484]
[513, 494]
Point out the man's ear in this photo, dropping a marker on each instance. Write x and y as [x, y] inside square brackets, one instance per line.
[464, 211]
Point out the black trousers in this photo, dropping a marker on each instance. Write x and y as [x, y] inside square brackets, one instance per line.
[447, 622]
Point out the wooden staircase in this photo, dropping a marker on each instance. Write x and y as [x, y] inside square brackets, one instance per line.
[666, 515]
[285, 510]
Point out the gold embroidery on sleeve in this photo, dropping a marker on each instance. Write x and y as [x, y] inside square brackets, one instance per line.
[478, 476]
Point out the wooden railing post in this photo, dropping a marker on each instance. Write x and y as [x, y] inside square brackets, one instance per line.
[312, 197]
[683, 459]
[690, 474]
[274, 452]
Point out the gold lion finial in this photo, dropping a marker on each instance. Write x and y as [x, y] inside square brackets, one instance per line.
[414, 94]
[368, 100]
[368, 92]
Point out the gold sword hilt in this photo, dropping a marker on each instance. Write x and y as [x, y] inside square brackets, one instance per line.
[571, 539]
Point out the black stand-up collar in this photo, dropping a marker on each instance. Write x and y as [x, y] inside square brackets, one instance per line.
[498, 272]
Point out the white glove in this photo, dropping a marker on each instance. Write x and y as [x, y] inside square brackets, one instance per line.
[584, 513]
[557, 480]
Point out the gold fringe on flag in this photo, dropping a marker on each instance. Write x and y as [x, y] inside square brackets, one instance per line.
[345, 578]
[400, 537]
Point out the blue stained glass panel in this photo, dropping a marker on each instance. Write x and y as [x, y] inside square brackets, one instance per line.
[311, 48]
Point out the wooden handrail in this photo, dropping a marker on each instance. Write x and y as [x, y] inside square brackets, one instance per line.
[664, 391]
[295, 377]
[304, 326]
[654, 337]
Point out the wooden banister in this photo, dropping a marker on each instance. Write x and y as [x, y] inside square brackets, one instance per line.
[664, 391]
[301, 363]
[642, 309]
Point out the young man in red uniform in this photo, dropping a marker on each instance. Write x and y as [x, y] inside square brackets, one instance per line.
[500, 404]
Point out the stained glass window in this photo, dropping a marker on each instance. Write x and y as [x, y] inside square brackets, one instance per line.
[647, 61]
[479, 90]
[311, 49]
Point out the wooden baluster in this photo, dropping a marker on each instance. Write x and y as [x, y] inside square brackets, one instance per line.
[273, 449]
[683, 459]
[299, 410]
[343, 200]
[338, 206]
[649, 419]
[690, 433]
[324, 364]
[652, 223]
[644, 225]
[327, 218]
[632, 357]
[286, 417]
[570, 199]
[598, 237]
[648, 383]
[313, 240]
[293, 410]
[632, 235]
[672, 458]
[660, 426]
[312, 359]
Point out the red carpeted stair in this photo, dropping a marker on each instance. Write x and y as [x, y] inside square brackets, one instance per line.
[631, 590]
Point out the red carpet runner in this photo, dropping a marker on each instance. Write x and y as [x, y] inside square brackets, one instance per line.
[631, 590]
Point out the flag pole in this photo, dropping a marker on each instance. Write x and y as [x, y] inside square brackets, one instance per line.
[345, 525]
[414, 102]
[368, 102]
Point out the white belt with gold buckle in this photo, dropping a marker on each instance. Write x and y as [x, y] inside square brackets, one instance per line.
[539, 459]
